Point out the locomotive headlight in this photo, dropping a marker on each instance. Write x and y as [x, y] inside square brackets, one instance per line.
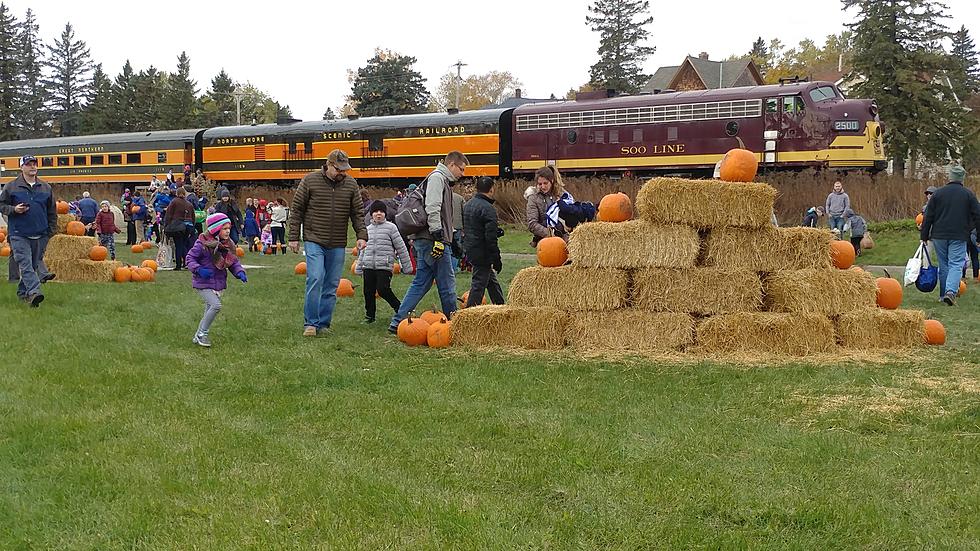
[873, 109]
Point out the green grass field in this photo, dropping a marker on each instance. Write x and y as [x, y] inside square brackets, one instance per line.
[118, 433]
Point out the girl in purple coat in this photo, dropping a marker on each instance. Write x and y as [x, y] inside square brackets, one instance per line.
[209, 262]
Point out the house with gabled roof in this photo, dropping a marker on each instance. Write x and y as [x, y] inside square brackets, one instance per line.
[700, 73]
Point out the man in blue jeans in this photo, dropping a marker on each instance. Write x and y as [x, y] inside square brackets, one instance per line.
[29, 205]
[837, 204]
[433, 244]
[324, 203]
[952, 214]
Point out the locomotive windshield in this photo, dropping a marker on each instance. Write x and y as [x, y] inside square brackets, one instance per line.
[823, 93]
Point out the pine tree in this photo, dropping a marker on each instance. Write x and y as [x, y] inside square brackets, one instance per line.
[621, 53]
[9, 73]
[966, 69]
[388, 85]
[329, 115]
[761, 56]
[180, 107]
[897, 60]
[31, 112]
[70, 66]
[218, 104]
[150, 87]
[123, 100]
[98, 114]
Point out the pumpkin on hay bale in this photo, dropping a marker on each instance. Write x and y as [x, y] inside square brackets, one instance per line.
[739, 165]
[876, 329]
[615, 207]
[633, 244]
[69, 247]
[629, 330]
[82, 271]
[768, 249]
[61, 207]
[569, 288]
[63, 220]
[706, 203]
[98, 253]
[889, 292]
[842, 254]
[703, 291]
[765, 333]
[552, 252]
[509, 327]
[75, 228]
[827, 292]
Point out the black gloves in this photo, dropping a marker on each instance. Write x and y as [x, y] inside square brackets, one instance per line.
[497, 265]
[437, 235]
[438, 248]
[456, 249]
[500, 232]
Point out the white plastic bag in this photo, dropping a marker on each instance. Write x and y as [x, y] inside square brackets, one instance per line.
[913, 266]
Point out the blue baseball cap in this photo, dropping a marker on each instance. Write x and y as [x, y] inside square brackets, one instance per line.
[28, 159]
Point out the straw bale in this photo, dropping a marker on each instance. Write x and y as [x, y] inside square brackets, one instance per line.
[633, 244]
[69, 247]
[697, 290]
[629, 330]
[768, 249]
[874, 328]
[509, 327]
[764, 332]
[569, 288]
[63, 220]
[706, 203]
[74, 271]
[829, 292]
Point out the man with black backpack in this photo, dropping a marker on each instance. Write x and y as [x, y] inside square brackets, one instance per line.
[426, 216]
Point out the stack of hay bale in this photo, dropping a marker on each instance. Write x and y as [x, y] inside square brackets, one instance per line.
[702, 271]
[67, 256]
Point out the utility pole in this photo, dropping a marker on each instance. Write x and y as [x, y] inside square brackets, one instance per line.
[459, 79]
[238, 94]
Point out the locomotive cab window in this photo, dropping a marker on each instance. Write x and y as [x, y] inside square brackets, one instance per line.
[376, 143]
[133, 158]
[772, 106]
[62, 161]
[80, 160]
[793, 105]
[823, 93]
[98, 159]
[292, 148]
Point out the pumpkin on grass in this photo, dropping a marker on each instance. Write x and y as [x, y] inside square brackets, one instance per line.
[136, 249]
[353, 267]
[739, 165]
[239, 252]
[438, 334]
[300, 269]
[122, 274]
[136, 275]
[842, 254]
[413, 331]
[5, 251]
[935, 332]
[615, 207]
[345, 288]
[61, 207]
[148, 274]
[432, 316]
[146, 245]
[75, 228]
[98, 253]
[150, 264]
[466, 298]
[962, 289]
[552, 252]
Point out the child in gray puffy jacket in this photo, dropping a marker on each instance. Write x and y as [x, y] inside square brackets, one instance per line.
[858, 228]
[377, 261]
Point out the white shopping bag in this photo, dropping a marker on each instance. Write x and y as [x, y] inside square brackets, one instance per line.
[165, 255]
[913, 266]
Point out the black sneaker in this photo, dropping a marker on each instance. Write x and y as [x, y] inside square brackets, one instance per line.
[35, 300]
[368, 320]
[393, 330]
[48, 277]
[950, 298]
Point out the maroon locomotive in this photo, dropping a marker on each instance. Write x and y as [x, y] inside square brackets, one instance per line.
[792, 125]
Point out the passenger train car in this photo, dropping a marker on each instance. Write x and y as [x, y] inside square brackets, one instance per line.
[790, 126]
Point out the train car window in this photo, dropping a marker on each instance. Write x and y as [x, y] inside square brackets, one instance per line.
[62, 161]
[47, 161]
[571, 136]
[637, 135]
[80, 160]
[162, 157]
[671, 133]
[771, 105]
[115, 159]
[376, 143]
[614, 136]
[98, 159]
[823, 93]
[292, 148]
[600, 136]
[134, 158]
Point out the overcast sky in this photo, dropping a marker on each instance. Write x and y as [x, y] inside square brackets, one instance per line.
[300, 54]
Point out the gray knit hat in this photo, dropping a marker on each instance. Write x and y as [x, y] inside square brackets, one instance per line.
[957, 174]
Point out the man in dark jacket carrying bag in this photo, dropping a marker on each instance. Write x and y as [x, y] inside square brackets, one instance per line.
[480, 231]
[952, 214]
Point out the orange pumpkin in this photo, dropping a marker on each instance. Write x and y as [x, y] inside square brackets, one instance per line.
[962, 289]
[552, 252]
[300, 269]
[61, 207]
[466, 298]
[148, 274]
[137, 275]
[413, 331]
[345, 288]
[239, 252]
[438, 334]
[353, 251]
[739, 165]
[75, 228]
[98, 253]
[136, 249]
[150, 264]
[5, 251]
[135, 209]
[353, 267]
[268, 250]
[432, 316]
[889, 293]
[935, 333]
[3, 236]
[122, 274]
[918, 220]
[396, 269]
[146, 245]
[842, 254]
[615, 207]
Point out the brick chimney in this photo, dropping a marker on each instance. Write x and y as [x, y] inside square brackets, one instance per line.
[517, 93]
[703, 55]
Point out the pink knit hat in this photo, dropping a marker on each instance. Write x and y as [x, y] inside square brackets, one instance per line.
[215, 222]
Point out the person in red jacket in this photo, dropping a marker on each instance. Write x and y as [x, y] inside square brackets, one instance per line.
[105, 228]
